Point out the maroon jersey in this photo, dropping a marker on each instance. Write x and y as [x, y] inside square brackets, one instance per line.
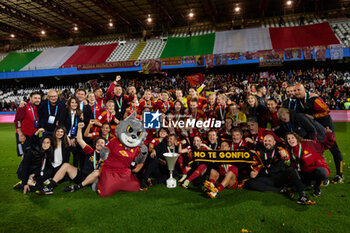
[163, 106]
[25, 119]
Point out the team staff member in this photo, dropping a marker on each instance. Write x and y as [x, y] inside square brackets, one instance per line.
[49, 111]
[272, 175]
[315, 108]
[27, 121]
[115, 93]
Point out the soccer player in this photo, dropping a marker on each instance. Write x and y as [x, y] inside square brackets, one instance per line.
[209, 108]
[164, 104]
[307, 158]
[104, 133]
[270, 115]
[228, 171]
[27, 121]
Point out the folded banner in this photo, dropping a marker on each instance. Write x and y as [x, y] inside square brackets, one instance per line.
[223, 156]
[171, 61]
[109, 65]
[195, 79]
[336, 51]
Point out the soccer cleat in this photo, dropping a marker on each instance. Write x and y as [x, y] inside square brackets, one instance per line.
[212, 195]
[338, 179]
[210, 186]
[305, 200]
[185, 184]
[143, 189]
[19, 185]
[47, 182]
[325, 183]
[317, 192]
[182, 178]
[47, 190]
[68, 189]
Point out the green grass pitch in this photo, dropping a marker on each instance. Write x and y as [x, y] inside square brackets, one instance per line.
[169, 210]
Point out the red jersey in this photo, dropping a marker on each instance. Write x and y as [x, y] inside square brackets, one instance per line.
[201, 101]
[220, 112]
[101, 102]
[119, 158]
[163, 107]
[106, 117]
[270, 117]
[209, 110]
[142, 104]
[25, 119]
[241, 146]
[96, 110]
[262, 132]
[199, 113]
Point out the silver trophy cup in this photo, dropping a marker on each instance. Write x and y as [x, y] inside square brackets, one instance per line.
[171, 160]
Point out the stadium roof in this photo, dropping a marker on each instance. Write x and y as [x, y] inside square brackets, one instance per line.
[63, 18]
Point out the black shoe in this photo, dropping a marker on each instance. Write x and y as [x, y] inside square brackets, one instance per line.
[317, 192]
[68, 189]
[325, 182]
[288, 193]
[305, 200]
[47, 190]
[338, 179]
[18, 186]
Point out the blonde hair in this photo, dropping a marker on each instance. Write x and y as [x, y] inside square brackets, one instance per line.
[281, 111]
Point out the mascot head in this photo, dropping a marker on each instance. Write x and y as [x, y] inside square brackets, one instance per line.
[130, 131]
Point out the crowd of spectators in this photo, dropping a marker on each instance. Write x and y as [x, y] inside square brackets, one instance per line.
[332, 86]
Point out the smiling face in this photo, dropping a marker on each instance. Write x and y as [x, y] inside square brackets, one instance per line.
[52, 96]
[290, 92]
[118, 90]
[212, 137]
[80, 95]
[177, 106]
[98, 93]
[299, 91]
[178, 94]
[165, 97]
[105, 129]
[91, 98]
[35, 99]
[236, 137]
[284, 117]
[212, 99]
[110, 106]
[99, 144]
[251, 100]
[225, 146]
[271, 105]
[269, 142]
[59, 133]
[148, 95]
[292, 140]
[197, 142]
[73, 104]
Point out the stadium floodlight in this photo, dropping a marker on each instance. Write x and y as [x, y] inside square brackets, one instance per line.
[289, 3]
[191, 14]
[43, 32]
[13, 35]
[237, 9]
[110, 24]
[149, 19]
[75, 28]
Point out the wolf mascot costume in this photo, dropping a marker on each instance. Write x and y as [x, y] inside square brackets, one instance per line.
[115, 173]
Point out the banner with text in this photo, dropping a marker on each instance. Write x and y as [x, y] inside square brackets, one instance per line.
[223, 156]
[171, 61]
[109, 65]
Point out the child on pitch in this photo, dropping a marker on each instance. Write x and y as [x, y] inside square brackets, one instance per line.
[88, 174]
[229, 172]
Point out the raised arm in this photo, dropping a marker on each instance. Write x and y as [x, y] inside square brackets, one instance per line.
[80, 140]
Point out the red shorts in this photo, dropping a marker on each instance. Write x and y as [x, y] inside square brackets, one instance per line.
[224, 168]
[112, 182]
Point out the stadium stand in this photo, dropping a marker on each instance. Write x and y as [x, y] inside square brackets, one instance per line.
[342, 31]
[123, 51]
[152, 50]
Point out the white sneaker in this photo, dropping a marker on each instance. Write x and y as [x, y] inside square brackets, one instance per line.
[182, 178]
[185, 184]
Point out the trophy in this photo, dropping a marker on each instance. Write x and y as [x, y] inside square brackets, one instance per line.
[171, 160]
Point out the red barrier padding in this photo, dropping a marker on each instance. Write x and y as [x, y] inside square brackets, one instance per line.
[90, 54]
[302, 36]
